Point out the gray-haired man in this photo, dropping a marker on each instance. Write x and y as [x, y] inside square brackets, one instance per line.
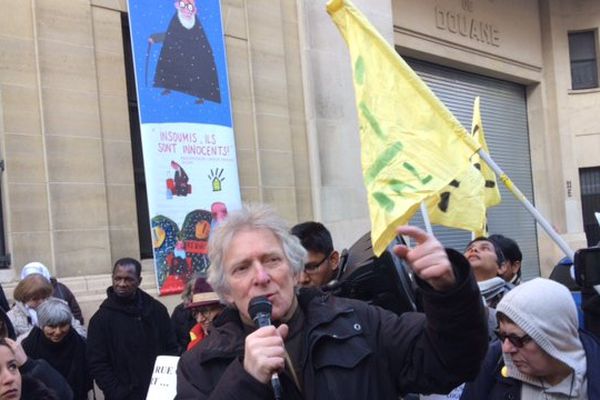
[325, 347]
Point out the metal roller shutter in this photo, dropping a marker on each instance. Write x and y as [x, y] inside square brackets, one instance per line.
[504, 117]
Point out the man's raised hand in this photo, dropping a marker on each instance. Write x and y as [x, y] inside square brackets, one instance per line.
[428, 258]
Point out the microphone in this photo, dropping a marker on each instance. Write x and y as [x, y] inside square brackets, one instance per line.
[259, 310]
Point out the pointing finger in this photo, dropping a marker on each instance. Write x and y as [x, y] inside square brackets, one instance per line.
[418, 234]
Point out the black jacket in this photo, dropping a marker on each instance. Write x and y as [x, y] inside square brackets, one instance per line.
[183, 322]
[124, 339]
[61, 291]
[353, 350]
[3, 301]
[34, 389]
[6, 326]
[67, 357]
[43, 379]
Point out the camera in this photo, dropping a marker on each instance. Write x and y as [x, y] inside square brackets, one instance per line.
[587, 267]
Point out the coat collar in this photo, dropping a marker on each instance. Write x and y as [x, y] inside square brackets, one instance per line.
[226, 338]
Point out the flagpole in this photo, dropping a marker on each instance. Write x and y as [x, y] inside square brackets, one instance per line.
[426, 220]
[532, 210]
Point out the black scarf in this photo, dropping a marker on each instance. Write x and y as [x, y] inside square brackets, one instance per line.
[66, 356]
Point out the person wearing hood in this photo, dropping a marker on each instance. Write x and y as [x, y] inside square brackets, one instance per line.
[59, 290]
[126, 334]
[540, 354]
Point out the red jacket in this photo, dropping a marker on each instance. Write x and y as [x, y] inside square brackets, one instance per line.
[196, 335]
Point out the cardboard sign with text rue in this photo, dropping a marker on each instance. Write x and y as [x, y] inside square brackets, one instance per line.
[163, 385]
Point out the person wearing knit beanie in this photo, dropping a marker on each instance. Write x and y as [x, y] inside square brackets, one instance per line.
[552, 359]
[541, 353]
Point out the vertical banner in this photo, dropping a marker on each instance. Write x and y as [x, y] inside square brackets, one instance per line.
[186, 127]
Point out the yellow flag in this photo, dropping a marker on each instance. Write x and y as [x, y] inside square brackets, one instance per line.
[412, 146]
[491, 193]
[463, 203]
[460, 204]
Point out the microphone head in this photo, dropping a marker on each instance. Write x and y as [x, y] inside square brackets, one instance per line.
[259, 305]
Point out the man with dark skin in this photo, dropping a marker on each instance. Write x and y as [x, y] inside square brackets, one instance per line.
[126, 335]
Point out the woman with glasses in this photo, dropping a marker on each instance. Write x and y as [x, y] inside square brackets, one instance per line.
[540, 353]
[205, 307]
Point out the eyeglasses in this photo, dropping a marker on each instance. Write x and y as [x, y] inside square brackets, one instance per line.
[517, 341]
[204, 311]
[189, 6]
[310, 268]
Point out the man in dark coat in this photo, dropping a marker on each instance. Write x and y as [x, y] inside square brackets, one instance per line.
[323, 347]
[186, 63]
[126, 335]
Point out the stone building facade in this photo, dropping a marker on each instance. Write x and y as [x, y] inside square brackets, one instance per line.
[68, 188]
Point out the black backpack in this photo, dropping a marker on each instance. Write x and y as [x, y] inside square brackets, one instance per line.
[385, 281]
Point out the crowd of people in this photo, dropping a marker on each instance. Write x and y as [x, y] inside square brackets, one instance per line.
[479, 332]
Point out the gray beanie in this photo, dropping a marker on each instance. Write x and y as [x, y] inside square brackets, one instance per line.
[546, 311]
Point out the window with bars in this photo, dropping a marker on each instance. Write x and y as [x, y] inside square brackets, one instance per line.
[589, 179]
[584, 64]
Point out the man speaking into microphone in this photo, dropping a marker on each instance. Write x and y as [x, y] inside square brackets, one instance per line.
[320, 346]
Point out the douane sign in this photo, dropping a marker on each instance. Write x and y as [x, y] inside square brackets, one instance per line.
[464, 25]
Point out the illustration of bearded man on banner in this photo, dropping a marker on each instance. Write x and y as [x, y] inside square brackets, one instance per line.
[186, 63]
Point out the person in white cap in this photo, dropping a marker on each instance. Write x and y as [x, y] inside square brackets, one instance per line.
[540, 354]
[60, 290]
